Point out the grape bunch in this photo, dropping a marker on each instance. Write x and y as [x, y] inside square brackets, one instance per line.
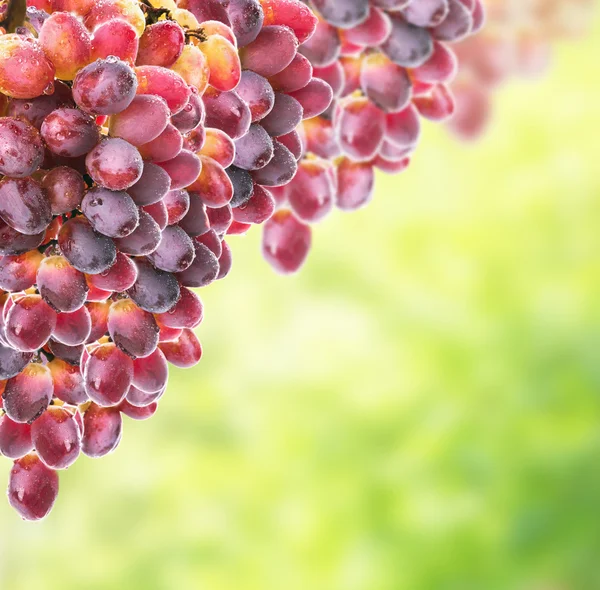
[389, 64]
[134, 137]
[517, 41]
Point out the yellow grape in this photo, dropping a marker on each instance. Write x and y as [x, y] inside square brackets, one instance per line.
[192, 67]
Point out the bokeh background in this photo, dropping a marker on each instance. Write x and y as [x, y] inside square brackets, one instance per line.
[419, 409]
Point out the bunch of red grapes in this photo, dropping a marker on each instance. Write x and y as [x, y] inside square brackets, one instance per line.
[517, 42]
[134, 137]
[389, 64]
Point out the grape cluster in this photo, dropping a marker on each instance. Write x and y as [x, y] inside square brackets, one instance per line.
[517, 41]
[389, 64]
[134, 137]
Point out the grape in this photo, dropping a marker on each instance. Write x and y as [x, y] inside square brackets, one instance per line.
[191, 115]
[220, 65]
[161, 44]
[246, 17]
[219, 146]
[456, 25]
[426, 13]
[212, 186]
[105, 87]
[220, 219]
[165, 147]
[438, 105]
[99, 314]
[195, 222]
[102, 429]
[334, 75]
[183, 169]
[440, 67]
[61, 286]
[104, 11]
[37, 109]
[137, 413]
[66, 42]
[205, 10]
[142, 121]
[312, 191]
[12, 361]
[286, 242]
[175, 252]
[203, 270]
[29, 323]
[407, 45]
[280, 170]
[115, 38]
[185, 352]
[225, 262]
[107, 375]
[25, 71]
[155, 290]
[314, 98]
[284, 117]
[32, 488]
[143, 240]
[153, 185]
[226, 111]
[355, 184]
[385, 83]
[119, 277]
[17, 273]
[28, 394]
[290, 13]
[69, 354]
[114, 164]
[294, 143]
[132, 329]
[15, 438]
[323, 48]
[243, 186]
[56, 438]
[361, 128]
[158, 212]
[167, 84]
[64, 188]
[256, 92]
[178, 204]
[150, 375]
[255, 149]
[21, 148]
[140, 399]
[374, 30]
[24, 205]
[403, 128]
[273, 50]
[259, 207]
[111, 213]
[188, 312]
[68, 382]
[294, 77]
[86, 250]
[73, 328]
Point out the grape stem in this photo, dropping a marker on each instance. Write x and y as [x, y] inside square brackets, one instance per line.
[12, 13]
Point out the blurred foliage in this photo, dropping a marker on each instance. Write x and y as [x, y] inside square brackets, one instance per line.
[419, 409]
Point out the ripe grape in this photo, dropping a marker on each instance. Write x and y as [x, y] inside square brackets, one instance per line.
[21, 148]
[32, 488]
[105, 87]
[102, 429]
[56, 438]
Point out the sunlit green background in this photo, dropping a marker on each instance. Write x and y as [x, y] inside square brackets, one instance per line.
[419, 409]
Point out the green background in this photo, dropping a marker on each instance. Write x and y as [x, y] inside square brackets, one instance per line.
[418, 409]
